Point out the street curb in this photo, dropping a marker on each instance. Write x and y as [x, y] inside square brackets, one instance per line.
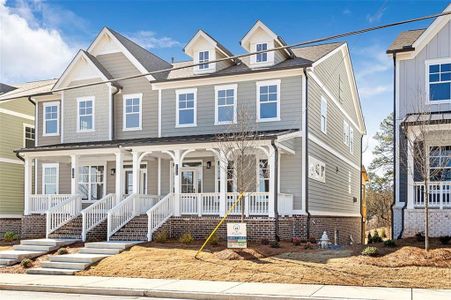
[149, 293]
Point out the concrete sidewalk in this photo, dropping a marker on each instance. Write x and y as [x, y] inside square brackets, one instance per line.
[195, 289]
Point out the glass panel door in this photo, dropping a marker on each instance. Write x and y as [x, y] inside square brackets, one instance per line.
[91, 182]
[128, 182]
[188, 181]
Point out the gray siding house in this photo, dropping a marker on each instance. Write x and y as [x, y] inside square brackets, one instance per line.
[146, 151]
[422, 66]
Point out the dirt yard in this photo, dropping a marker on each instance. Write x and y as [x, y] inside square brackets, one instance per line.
[403, 266]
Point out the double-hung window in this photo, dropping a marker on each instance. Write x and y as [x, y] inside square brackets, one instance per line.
[51, 118]
[346, 133]
[29, 136]
[225, 104]
[323, 115]
[261, 57]
[50, 178]
[91, 182]
[132, 112]
[440, 163]
[85, 120]
[268, 101]
[204, 57]
[186, 108]
[439, 81]
[263, 175]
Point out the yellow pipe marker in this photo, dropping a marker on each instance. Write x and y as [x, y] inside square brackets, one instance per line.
[219, 224]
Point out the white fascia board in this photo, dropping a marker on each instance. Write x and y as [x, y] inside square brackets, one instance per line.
[258, 24]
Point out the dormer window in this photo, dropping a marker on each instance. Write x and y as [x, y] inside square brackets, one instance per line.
[204, 57]
[261, 57]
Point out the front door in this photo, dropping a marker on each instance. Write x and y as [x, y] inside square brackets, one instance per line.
[191, 180]
[142, 181]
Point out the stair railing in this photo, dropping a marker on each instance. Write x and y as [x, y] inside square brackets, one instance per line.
[96, 213]
[62, 213]
[159, 214]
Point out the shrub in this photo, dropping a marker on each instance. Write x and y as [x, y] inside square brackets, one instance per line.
[275, 244]
[376, 238]
[309, 245]
[296, 241]
[161, 236]
[419, 236]
[383, 234]
[370, 238]
[370, 251]
[312, 240]
[26, 263]
[214, 240]
[264, 242]
[10, 236]
[390, 243]
[445, 239]
[62, 251]
[186, 238]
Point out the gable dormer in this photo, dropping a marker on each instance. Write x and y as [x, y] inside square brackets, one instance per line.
[202, 48]
[261, 38]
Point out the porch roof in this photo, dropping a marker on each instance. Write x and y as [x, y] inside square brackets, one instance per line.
[186, 139]
[432, 118]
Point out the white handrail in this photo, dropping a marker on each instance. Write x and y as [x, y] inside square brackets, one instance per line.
[158, 214]
[96, 213]
[62, 213]
[127, 209]
[40, 203]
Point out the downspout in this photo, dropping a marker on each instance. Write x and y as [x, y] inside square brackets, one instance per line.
[276, 190]
[307, 226]
[362, 223]
[118, 89]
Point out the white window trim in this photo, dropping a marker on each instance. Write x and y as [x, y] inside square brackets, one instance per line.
[24, 133]
[346, 133]
[44, 127]
[124, 114]
[88, 98]
[351, 139]
[265, 83]
[324, 100]
[211, 65]
[180, 92]
[105, 175]
[270, 54]
[50, 165]
[426, 77]
[218, 88]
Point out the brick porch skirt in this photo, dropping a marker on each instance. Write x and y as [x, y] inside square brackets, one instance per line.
[33, 226]
[10, 225]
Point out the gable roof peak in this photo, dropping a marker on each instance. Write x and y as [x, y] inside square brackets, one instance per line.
[202, 33]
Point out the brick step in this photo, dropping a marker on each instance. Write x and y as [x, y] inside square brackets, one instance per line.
[72, 229]
[135, 230]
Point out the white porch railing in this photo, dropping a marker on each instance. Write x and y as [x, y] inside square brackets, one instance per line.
[158, 214]
[199, 203]
[40, 203]
[62, 213]
[96, 213]
[439, 194]
[123, 212]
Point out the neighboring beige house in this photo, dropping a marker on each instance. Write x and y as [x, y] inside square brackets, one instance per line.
[141, 155]
[16, 130]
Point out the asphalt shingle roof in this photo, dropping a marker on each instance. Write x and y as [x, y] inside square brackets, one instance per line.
[405, 40]
[29, 88]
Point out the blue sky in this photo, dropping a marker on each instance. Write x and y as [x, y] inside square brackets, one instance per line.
[45, 35]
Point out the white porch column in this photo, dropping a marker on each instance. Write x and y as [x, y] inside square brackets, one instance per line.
[159, 177]
[119, 176]
[136, 169]
[272, 182]
[410, 173]
[74, 173]
[177, 156]
[28, 170]
[222, 183]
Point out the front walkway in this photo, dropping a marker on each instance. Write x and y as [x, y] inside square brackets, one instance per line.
[192, 289]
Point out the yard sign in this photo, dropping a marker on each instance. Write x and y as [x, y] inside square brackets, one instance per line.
[236, 235]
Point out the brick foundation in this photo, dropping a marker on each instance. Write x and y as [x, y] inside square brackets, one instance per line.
[346, 228]
[33, 226]
[439, 222]
[10, 225]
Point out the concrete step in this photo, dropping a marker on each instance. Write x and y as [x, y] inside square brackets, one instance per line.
[8, 262]
[100, 251]
[112, 244]
[77, 258]
[35, 248]
[19, 254]
[48, 242]
[65, 265]
[51, 271]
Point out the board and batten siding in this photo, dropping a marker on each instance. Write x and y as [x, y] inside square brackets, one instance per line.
[290, 108]
[412, 80]
[101, 112]
[119, 66]
[46, 140]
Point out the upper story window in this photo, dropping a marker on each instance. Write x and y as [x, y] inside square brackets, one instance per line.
[51, 118]
[204, 57]
[351, 140]
[323, 115]
[346, 133]
[85, 120]
[186, 114]
[261, 57]
[29, 136]
[268, 101]
[132, 116]
[225, 104]
[439, 81]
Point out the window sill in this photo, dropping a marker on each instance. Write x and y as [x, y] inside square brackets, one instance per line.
[86, 131]
[225, 123]
[185, 125]
[132, 129]
[51, 134]
[268, 120]
[432, 102]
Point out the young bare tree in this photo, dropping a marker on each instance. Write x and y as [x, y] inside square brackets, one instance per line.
[239, 143]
